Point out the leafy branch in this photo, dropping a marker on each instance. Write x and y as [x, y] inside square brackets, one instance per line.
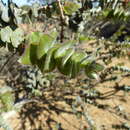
[44, 52]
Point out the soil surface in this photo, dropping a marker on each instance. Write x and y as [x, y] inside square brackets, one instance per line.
[54, 110]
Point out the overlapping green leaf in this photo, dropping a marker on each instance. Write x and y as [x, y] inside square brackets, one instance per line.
[70, 64]
[66, 69]
[69, 53]
[33, 55]
[97, 67]
[46, 42]
[78, 57]
[39, 45]
[25, 59]
[50, 62]
[34, 38]
[92, 69]
[47, 55]
[63, 49]
[41, 63]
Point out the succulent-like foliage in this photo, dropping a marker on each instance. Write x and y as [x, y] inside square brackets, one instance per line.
[44, 52]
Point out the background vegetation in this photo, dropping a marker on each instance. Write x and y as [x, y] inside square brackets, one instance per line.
[62, 52]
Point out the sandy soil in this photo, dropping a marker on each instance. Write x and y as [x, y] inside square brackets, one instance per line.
[45, 115]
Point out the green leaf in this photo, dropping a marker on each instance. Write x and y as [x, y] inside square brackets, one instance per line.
[46, 42]
[41, 63]
[33, 54]
[63, 49]
[54, 34]
[70, 68]
[89, 71]
[82, 58]
[97, 67]
[25, 58]
[92, 75]
[87, 60]
[66, 69]
[92, 69]
[69, 53]
[17, 37]
[78, 57]
[6, 34]
[75, 69]
[70, 7]
[76, 60]
[50, 62]
[34, 38]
